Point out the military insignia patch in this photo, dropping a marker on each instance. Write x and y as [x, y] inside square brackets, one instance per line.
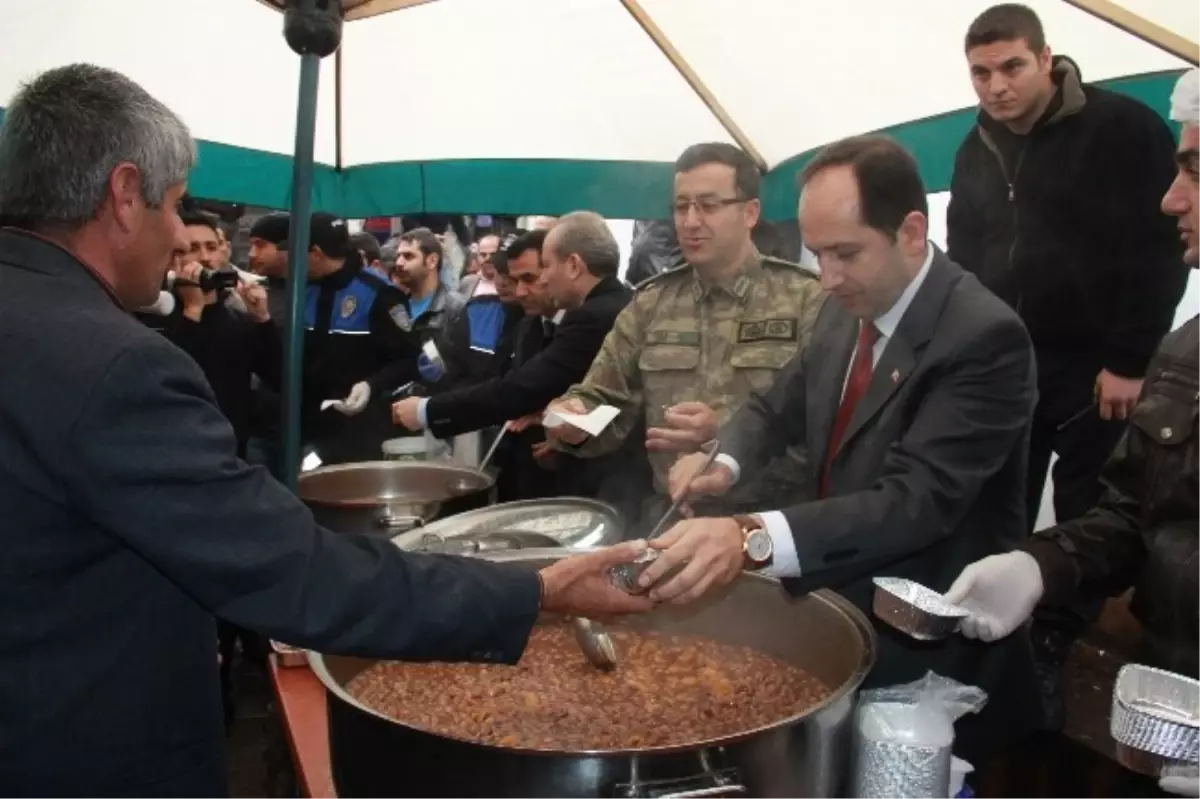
[400, 316]
[767, 330]
[684, 338]
[349, 306]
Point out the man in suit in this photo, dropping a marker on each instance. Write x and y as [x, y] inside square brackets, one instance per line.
[579, 263]
[915, 399]
[129, 519]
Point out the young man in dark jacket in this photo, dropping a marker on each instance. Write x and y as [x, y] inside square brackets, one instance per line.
[1054, 206]
[1142, 533]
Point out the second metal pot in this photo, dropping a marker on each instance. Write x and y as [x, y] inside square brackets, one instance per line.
[388, 497]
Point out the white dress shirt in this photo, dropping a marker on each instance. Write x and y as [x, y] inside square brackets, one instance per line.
[784, 561]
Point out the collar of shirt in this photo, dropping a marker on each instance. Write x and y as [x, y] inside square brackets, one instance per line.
[886, 322]
[418, 308]
[737, 286]
[558, 317]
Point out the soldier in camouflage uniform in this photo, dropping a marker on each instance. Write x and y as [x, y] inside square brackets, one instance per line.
[697, 340]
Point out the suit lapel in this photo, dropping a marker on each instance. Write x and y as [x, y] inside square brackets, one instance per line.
[894, 367]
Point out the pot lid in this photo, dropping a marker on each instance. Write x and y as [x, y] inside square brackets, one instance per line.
[567, 521]
[383, 483]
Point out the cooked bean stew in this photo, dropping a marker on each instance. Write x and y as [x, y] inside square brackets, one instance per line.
[668, 690]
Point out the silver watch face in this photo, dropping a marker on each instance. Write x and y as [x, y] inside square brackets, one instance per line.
[759, 546]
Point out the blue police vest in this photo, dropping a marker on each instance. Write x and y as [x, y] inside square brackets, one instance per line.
[351, 313]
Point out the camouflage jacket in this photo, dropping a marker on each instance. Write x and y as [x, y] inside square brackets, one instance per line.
[681, 340]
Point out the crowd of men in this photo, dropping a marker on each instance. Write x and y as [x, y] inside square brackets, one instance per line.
[892, 412]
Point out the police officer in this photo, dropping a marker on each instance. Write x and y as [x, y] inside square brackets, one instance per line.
[356, 323]
[416, 269]
[1142, 534]
[697, 340]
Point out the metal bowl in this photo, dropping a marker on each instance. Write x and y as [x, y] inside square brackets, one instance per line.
[915, 610]
[1155, 718]
[563, 521]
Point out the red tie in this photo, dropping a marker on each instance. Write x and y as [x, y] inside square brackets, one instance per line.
[856, 386]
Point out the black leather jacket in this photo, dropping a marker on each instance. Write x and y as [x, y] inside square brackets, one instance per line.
[1144, 533]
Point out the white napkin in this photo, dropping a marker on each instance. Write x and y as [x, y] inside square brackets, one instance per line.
[592, 423]
[248, 277]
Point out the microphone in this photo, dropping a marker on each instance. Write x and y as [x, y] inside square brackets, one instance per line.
[163, 306]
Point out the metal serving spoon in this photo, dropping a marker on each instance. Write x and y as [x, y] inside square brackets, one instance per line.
[596, 643]
[593, 639]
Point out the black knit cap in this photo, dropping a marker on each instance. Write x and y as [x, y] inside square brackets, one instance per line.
[272, 228]
[326, 231]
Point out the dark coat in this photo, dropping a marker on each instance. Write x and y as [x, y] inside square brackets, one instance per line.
[930, 475]
[129, 523]
[1064, 224]
[546, 371]
[231, 348]
[544, 367]
[1142, 534]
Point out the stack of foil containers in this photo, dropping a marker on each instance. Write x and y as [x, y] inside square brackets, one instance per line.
[903, 737]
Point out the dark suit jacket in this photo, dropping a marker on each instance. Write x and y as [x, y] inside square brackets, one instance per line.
[930, 475]
[521, 477]
[529, 386]
[129, 523]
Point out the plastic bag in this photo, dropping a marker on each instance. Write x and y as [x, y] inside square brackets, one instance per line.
[903, 736]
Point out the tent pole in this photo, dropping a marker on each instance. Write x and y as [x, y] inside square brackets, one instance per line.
[298, 246]
[685, 69]
[1136, 25]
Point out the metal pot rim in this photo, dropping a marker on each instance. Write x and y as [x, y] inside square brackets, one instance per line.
[466, 517]
[487, 481]
[851, 613]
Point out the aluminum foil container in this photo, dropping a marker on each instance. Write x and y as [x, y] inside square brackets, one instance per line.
[1155, 718]
[889, 769]
[915, 610]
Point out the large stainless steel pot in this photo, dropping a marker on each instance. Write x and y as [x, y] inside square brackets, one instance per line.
[526, 524]
[805, 755]
[389, 497]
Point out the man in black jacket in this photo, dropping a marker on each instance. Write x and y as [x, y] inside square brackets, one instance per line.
[356, 323]
[229, 346]
[1142, 533]
[1054, 206]
[129, 519]
[581, 259]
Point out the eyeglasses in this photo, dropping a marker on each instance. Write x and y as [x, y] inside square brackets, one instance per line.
[705, 206]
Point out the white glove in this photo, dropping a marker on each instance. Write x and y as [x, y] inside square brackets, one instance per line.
[356, 400]
[1000, 593]
[1180, 780]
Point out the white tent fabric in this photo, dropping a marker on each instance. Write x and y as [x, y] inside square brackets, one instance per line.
[529, 81]
[1178, 16]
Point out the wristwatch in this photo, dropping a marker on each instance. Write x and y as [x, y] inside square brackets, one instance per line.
[757, 547]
